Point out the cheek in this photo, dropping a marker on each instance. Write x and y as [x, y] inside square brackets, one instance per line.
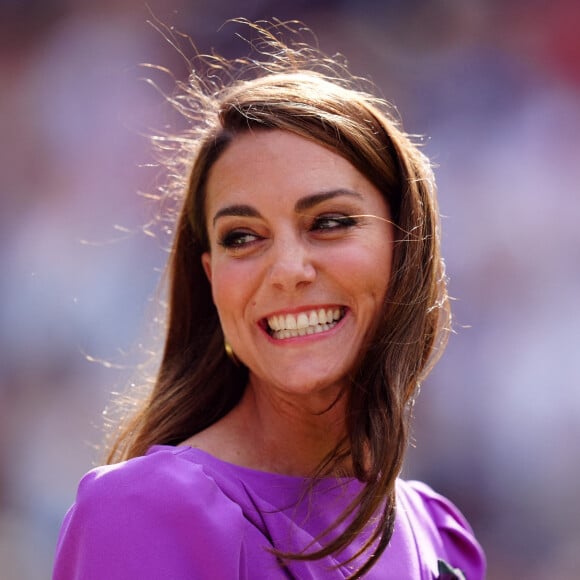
[230, 289]
[223, 288]
[368, 269]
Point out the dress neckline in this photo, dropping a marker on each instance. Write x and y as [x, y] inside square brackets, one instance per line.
[205, 458]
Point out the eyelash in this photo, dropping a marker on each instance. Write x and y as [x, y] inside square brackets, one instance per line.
[341, 221]
[239, 239]
[235, 239]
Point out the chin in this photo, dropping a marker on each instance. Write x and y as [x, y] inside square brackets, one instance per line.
[311, 386]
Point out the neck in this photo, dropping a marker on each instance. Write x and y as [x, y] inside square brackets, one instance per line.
[286, 434]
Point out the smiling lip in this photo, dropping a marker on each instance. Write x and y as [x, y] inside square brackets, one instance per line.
[304, 323]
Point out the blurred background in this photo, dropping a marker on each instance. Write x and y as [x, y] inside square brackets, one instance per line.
[495, 88]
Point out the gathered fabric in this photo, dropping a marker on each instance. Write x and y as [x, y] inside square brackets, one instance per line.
[180, 513]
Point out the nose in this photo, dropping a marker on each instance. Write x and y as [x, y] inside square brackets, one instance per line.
[291, 265]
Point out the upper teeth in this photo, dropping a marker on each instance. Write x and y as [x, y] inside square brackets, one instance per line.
[304, 319]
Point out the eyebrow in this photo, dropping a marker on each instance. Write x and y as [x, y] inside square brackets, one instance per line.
[303, 204]
[310, 201]
[237, 211]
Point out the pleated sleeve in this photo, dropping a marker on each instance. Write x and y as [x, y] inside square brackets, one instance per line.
[151, 518]
[444, 538]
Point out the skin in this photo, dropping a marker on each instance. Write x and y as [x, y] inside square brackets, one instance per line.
[282, 242]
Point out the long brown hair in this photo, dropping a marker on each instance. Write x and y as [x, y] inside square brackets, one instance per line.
[295, 88]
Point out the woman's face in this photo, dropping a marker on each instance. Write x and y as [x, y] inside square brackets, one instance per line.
[299, 261]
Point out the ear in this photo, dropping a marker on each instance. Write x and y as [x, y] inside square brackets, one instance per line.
[206, 263]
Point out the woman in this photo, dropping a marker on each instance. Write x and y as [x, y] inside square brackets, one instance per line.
[307, 301]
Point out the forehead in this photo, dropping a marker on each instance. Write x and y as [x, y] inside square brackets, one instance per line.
[275, 165]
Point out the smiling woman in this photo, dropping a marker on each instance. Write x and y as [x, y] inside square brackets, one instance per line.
[307, 302]
[322, 243]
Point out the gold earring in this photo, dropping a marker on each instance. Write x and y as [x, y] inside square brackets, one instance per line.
[230, 352]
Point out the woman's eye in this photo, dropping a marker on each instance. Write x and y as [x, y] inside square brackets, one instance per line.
[237, 239]
[333, 222]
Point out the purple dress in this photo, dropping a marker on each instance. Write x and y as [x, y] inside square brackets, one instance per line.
[179, 513]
